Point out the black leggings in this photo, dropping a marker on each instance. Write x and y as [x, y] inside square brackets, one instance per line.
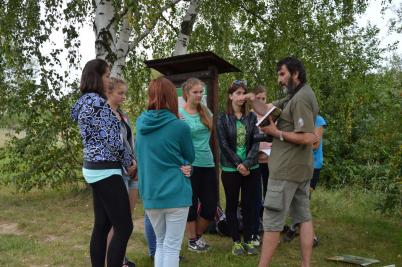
[203, 183]
[111, 208]
[233, 182]
[264, 176]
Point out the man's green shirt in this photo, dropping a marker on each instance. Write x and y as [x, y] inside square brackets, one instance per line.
[290, 161]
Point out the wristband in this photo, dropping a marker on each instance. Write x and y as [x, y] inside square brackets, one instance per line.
[281, 136]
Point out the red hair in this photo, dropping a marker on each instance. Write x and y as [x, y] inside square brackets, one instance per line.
[162, 94]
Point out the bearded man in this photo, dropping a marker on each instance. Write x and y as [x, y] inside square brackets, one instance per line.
[291, 160]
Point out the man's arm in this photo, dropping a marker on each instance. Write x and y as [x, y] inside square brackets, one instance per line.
[259, 107]
[291, 137]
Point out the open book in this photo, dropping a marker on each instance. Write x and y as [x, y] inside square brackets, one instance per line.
[354, 259]
[274, 112]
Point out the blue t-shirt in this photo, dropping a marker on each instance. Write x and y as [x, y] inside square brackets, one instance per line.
[93, 176]
[318, 153]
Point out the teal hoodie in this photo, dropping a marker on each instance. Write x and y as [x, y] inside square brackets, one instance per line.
[163, 144]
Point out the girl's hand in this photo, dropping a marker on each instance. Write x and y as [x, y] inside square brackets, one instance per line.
[243, 170]
[131, 170]
[186, 170]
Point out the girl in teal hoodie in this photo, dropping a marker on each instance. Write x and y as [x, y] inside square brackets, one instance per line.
[163, 146]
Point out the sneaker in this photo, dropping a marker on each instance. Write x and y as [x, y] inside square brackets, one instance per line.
[197, 246]
[256, 240]
[316, 241]
[237, 249]
[128, 263]
[203, 242]
[250, 249]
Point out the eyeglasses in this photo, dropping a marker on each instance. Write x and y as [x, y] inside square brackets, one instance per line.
[240, 82]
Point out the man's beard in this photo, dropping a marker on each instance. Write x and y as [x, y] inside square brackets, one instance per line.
[290, 89]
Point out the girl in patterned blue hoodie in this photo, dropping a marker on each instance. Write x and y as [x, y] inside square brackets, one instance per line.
[104, 158]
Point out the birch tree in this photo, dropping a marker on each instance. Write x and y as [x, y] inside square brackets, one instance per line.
[114, 33]
[186, 28]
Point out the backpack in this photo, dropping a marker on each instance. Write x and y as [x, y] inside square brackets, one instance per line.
[219, 225]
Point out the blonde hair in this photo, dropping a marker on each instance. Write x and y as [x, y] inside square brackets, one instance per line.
[205, 115]
[115, 82]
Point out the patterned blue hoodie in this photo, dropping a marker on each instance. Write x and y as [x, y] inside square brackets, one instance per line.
[100, 131]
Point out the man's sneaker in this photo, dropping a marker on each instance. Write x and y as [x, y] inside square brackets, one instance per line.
[250, 248]
[256, 240]
[237, 249]
[196, 246]
[316, 241]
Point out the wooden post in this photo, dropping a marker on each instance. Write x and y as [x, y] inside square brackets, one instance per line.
[213, 104]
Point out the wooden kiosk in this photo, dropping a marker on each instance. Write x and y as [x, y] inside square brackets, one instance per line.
[205, 66]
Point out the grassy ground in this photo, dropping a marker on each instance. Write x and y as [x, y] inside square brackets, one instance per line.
[53, 229]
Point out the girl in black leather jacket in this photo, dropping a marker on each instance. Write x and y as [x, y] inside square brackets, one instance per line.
[236, 129]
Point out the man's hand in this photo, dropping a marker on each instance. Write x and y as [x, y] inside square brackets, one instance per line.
[186, 170]
[271, 129]
[316, 140]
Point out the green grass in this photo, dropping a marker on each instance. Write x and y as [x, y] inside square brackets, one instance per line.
[53, 228]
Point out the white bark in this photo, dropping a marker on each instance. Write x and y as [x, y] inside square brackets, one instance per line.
[105, 34]
[186, 28]
[122, 48]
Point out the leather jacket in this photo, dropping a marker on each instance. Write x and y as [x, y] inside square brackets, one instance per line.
[227, 136]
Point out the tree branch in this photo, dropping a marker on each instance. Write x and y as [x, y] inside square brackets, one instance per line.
[149, 29]
[117, 18]
[176, 30]
[241, 5]
[257, 16]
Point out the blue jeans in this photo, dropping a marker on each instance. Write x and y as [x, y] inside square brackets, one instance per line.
[169, 226]
[149, 236]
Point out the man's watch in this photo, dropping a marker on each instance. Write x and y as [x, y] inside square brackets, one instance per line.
[281, 136]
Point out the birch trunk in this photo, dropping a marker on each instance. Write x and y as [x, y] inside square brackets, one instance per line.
[186, 28]
[122, 48]
[104, 28]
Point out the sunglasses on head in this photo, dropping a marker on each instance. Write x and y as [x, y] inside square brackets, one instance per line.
[240, 82]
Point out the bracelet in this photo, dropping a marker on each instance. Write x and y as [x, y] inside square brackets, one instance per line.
[281, 136]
